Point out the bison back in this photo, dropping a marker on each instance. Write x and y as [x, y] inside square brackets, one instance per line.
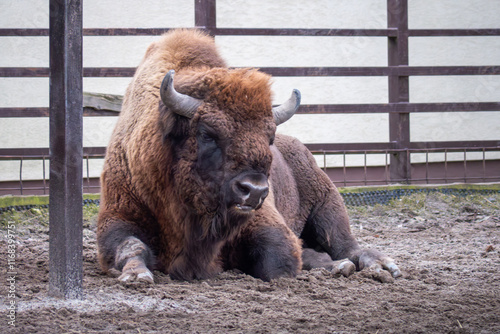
[310, 187]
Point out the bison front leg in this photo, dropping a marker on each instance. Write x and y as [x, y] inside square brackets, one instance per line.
[121, 249]
[327, 230]
[313, 259]
[131, 257]
[266, 248]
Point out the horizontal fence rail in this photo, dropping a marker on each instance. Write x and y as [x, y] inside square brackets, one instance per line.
[427, 172]
[390, 32]
[117, 72]
[391, 108]
[398, 167]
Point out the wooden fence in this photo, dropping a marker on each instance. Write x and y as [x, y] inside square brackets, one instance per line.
[398, 151]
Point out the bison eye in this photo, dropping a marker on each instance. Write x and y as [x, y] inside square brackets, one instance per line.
[206, 138]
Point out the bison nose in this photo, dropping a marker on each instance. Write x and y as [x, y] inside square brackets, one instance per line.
[249, 190]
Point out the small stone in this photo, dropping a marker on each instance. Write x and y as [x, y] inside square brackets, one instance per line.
[36, 211]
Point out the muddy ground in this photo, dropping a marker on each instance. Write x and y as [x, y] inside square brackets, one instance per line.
[447, 247]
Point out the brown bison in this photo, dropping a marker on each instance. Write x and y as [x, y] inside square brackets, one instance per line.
[197, 181]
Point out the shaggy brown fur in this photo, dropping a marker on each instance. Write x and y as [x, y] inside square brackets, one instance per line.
[165, 202]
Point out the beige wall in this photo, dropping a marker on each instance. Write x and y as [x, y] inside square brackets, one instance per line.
[126, 51]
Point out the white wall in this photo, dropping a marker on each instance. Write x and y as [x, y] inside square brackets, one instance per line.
[450, 51]
[116, 51]
[126, 51]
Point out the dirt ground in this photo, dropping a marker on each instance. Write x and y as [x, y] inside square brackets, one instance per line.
[447, 247]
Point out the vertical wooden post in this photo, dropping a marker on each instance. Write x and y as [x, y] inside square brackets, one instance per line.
[205, 15]
[65, 193]
[399, 123]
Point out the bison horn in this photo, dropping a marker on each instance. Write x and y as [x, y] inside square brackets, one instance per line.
[285, 111]
[181, 104]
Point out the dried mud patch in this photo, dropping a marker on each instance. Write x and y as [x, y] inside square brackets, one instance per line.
[447, 247]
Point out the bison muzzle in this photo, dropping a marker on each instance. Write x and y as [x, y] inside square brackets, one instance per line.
[196, 180]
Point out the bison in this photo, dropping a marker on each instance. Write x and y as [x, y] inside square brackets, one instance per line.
[197, 181]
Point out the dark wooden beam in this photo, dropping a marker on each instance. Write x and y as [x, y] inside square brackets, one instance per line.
[66, 150]
[391, 108]
[454, 32]
[347, 147]
[399, 123]
[118, 72]
[205, 15]
[487, 145]
[38, 153]
[303, 32]
[201, 17]
[397, 108]
[101, 72]
[415, 147]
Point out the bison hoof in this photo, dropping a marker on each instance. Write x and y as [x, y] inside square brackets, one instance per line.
[146, 277]
[136, 271]
[382, 266]
[314, 259]
[344, 267]
[378, 274]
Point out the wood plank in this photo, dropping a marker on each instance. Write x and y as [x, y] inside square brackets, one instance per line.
[453, 32]
[377, 108]
[66, 150]
[399, 123]
[102, 102]
[43, 152]
[390, 32]
[415, 147]
[397, 108]
[304, 32]
[205, 15]
[119, 72]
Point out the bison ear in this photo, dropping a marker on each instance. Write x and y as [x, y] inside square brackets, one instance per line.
[173, 126]
[284, 112]
[181, 104]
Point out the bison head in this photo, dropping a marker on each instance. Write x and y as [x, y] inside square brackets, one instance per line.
[219, 124]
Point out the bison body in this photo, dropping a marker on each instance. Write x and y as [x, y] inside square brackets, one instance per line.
[196, 180]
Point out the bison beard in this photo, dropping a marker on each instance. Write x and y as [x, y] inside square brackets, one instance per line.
[196, 180]
[204, 238]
